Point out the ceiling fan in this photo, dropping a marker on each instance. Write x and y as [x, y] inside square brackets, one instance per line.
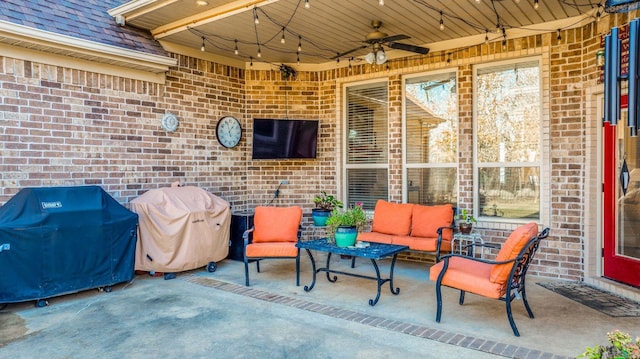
[377, 38]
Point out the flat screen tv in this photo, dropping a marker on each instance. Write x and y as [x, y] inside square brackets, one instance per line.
[283, 139]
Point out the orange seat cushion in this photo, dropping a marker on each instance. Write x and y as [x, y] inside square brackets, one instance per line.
[392, 218]
[404, 241]
[272, 249]
[375, 237]
[510, 250]
[468, 275]
[430, 244]
[276, 224]
[427, 220]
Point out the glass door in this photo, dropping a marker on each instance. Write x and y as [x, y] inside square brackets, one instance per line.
[621, 188]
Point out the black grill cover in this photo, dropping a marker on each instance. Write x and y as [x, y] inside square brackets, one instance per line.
[60, 240]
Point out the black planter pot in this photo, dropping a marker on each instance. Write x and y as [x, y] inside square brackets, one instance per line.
[465, 228]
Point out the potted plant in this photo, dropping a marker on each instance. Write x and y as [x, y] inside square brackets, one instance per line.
[465, 222]
[325, 204]
[621, 345]
[344, 225]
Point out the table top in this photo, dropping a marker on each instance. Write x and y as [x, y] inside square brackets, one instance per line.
[373, 251]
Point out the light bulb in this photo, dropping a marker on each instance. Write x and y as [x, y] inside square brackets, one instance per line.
[370, 58]
[478, 1]
[259, 52]
[202, 47]
[306, 4]
[381, 57]
[536, 4]
[255, 17]
[486, 37]
[441, 25]
[299, 43]
[381, 2]
[282, 38]
[235, 48]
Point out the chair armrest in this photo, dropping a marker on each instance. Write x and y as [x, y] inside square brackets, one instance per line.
[300, 229]
[247, 237]
[439, 243]
[447, 256]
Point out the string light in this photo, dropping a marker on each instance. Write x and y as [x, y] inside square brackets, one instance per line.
[597, 15]
[251, 61]
[306, 4]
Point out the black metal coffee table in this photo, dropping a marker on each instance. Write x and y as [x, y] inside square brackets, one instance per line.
[374, 251]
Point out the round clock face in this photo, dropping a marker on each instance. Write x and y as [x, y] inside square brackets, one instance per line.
[228, 131]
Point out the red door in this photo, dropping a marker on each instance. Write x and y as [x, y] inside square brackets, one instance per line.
[621, 210]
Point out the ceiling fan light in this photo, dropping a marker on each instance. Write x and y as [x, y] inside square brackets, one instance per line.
[370, 58]
[381, 57]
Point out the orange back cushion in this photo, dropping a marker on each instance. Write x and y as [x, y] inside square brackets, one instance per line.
[392, 218]
[510, 249]
[427, 220]
[276, 224]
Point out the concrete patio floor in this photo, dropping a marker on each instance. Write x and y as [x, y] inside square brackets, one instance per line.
[203, 315]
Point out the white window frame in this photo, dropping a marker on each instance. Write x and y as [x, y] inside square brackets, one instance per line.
[544, 143]
[406, 166]
[344, 143]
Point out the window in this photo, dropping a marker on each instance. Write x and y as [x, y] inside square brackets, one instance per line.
[431, 128]
[508, 140]
[367, 143]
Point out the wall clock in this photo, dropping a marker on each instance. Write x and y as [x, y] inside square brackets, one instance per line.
[228, 131]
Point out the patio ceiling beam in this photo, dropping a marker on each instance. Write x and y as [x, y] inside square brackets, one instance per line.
[220, 12]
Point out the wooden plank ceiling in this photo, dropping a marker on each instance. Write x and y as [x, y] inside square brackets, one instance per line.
[330, 27]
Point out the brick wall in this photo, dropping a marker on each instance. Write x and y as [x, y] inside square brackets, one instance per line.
[67, 127]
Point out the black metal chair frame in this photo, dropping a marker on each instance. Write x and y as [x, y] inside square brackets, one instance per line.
[515, 283]
[247, 236]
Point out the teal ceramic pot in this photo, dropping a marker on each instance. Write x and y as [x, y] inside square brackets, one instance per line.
[320, 216]
[346, 236]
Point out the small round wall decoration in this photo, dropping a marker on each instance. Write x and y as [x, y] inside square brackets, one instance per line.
[169, 122]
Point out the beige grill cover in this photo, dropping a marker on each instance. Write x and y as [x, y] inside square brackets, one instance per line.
[180, 228]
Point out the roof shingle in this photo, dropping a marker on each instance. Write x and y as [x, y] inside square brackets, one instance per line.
[83, 19]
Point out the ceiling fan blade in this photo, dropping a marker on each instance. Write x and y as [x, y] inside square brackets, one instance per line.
[350, 51]
[407, 47]
[394, 38]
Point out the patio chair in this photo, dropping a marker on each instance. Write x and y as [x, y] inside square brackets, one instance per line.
[502, 278]
[273, 236]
